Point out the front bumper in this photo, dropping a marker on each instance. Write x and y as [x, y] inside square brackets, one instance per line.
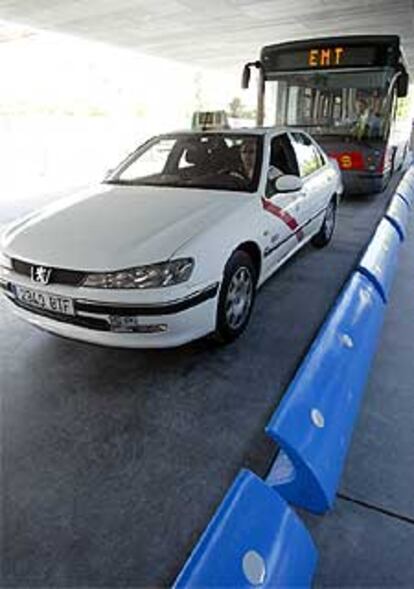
[156, 325]
[363, 183]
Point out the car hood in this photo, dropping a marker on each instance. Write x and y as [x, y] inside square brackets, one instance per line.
[115, 227]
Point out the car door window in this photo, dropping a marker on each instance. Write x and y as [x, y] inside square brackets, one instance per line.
[308, 157]
[282, 160]
[320, 156]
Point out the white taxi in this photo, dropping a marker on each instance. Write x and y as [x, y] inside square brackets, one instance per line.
[174, 244]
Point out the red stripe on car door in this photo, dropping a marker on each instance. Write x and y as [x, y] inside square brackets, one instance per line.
[283, 216]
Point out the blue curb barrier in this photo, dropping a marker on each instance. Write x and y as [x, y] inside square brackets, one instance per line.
[406, 187]
[379, 261]
[397, 214]
[405, 199]
[254, 539]
[313, 423]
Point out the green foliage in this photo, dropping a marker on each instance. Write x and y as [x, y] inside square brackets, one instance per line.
[239, 111]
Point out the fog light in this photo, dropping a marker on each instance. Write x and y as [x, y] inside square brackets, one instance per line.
[126, 324]
[156, 328]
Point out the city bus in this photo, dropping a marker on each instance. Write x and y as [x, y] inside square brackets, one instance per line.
[348, 92]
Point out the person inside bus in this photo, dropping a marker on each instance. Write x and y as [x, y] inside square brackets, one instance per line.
[375, 125]
[376, 122]
[362, 116]
[368, 121]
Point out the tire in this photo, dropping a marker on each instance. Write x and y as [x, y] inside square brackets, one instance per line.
[393, 158]
[386, 179]
[236, 298]
[324, 235]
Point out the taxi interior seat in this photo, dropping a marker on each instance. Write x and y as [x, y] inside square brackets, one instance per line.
[198, 157]
[279, 159]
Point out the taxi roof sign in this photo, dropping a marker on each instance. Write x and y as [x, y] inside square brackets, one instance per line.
[210, 119]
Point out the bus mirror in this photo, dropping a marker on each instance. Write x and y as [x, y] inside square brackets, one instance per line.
[402, 84]
[246, 76]
[246, 72]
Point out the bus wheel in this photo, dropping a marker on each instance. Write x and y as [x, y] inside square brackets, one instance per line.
[393, 158]
[324, 235]
[386, 179]
[403, 157]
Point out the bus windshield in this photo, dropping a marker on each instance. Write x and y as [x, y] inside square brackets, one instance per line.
[353, 104]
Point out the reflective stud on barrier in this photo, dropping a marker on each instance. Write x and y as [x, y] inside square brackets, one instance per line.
[254, 568]
[347, 341]
[317, 418]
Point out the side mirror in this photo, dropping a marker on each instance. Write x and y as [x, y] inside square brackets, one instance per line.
[246, 72]
[246, 76]
[288, 183]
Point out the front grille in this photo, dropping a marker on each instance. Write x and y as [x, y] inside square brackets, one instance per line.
[58, 275]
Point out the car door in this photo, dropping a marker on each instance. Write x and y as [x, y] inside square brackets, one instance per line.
[314, 172]
[330, 174]
[283, 212]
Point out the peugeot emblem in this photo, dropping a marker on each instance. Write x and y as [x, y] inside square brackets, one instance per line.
[41, 274]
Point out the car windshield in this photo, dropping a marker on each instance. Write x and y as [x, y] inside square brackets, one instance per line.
[215, 161]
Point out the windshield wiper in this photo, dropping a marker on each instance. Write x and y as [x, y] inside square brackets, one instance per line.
[114, 181]
[306, 125]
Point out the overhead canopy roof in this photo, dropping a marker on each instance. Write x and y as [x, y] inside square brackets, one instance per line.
[214, 33]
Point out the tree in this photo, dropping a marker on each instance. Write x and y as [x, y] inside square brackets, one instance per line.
[237, 110]
[236, 107]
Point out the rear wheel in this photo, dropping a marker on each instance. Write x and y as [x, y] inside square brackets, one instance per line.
[324, 235]
[236, 299]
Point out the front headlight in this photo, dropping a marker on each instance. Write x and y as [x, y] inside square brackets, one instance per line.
[153, 276]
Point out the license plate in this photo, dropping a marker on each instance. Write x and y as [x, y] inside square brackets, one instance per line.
[44, 301]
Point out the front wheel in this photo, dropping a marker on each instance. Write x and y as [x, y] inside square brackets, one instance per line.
[324, 235]
[236, 299]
